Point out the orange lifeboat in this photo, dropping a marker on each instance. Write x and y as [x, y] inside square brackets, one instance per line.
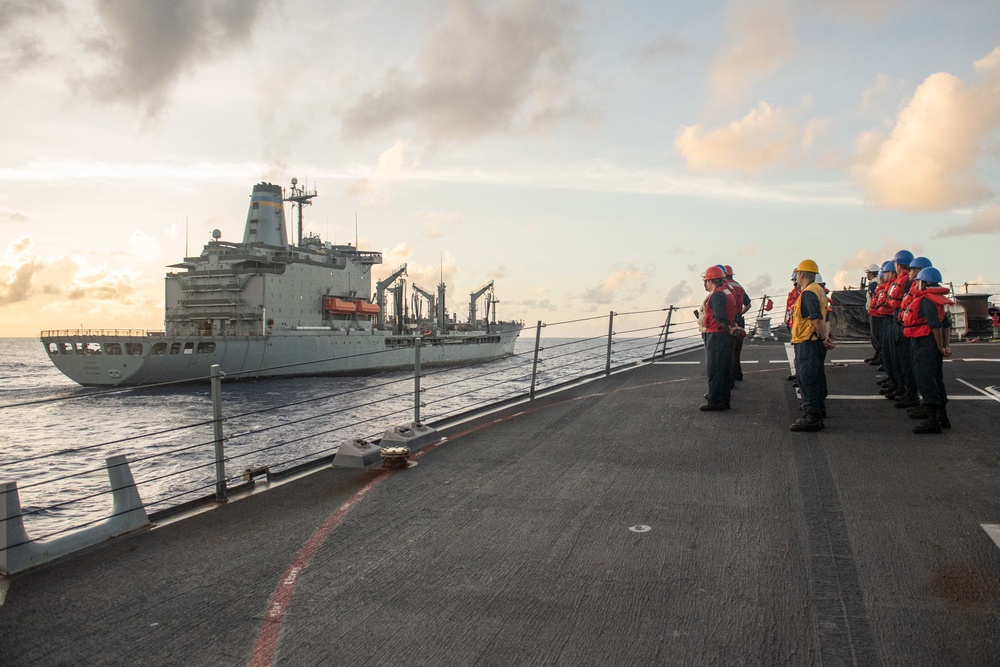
[365, 308]
[332, 304]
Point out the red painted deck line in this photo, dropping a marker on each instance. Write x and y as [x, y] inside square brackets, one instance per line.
[269, 635]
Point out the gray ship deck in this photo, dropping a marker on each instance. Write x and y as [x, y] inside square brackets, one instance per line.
[511, 544]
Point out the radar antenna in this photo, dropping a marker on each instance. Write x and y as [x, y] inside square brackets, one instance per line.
[300, 196]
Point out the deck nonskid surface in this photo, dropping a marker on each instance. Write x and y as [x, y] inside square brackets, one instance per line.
[513, 543]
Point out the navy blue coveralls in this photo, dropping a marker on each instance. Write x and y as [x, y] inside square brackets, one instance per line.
[719, 354]
[810, 356]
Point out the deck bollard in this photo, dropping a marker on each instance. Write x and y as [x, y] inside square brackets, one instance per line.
[19, 552]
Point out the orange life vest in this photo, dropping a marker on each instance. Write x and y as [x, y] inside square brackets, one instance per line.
[915, 326]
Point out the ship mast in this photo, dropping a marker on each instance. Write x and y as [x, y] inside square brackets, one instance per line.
[301, 197]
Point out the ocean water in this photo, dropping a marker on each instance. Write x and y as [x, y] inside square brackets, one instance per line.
[55, 435]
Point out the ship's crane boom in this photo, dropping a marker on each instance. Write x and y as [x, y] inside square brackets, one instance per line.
[428, 296]
[473, 297]
[380, 288]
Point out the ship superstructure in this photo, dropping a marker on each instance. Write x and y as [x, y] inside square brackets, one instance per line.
[264, 307]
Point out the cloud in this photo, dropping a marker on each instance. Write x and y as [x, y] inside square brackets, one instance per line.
[149, 45]
[24, 276]
[534, 304]
[142, 246]
[435, 224]
[615, 288]
[478, 73]
[665, 48]
[928, 162]
[680, 294]
[985, 222]
[20, 48]
[871, 11]
[759, 286]
[885, 92]
[393, 163]
[17, 272]
[12, 216]
[851, 270]
[764, 137]
[761, 40]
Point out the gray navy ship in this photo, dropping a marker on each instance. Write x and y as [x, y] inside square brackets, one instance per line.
[264, 308]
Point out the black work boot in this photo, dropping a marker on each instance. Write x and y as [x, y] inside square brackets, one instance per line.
[918, 412]
[807, 422]
[931, 424]
[942, 416]
[909, 398]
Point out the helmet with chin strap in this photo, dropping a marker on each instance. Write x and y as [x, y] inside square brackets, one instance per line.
[929, 275]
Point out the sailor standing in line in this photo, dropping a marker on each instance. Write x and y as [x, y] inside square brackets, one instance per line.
[718, 319]
[743, 304]
[873, 274]
[811, 340]
[793, 296]
[911, 400]
[927, 328]
[906, 397]
[885, 311]
[892, 335]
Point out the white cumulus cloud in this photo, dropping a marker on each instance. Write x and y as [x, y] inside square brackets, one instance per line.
[929, 160]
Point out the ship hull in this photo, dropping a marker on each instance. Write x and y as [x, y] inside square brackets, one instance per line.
[136, 359]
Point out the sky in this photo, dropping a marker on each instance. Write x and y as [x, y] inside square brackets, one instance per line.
[586, 156]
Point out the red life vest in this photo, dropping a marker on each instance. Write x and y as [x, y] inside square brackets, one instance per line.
[793, 296]
[915, 326]
[907, 298]
[883, 308]
[897, 290]
[738, 293]
[878, 297]
[712, 325]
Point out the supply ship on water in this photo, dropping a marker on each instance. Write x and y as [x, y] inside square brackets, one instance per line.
[266, 308]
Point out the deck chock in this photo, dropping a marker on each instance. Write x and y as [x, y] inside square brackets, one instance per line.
[357, 453]
[414, 435]
[253, 474]
[19, 552]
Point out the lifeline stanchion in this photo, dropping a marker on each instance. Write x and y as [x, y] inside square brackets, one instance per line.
[534, 364]
[417, 343]
[220, 454]
[611, 333]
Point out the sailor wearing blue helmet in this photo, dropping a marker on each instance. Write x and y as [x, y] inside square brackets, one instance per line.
[927, 328]
[904, 389]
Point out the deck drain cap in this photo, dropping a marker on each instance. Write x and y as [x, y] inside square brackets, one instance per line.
[640, 529]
